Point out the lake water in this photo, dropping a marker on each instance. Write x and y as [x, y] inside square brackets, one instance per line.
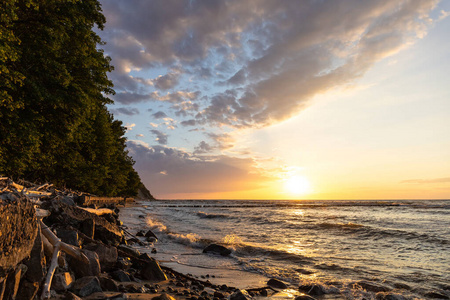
[350, 248]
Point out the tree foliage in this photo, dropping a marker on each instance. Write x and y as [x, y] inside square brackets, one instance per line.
[53, 94]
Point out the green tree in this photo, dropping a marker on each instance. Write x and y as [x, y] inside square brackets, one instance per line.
[54, 122]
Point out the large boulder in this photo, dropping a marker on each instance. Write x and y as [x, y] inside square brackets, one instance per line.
[61, 282]
[152, 271]
[86, 286]
[18, 230]
[128, 251]
[82, 269]
[88, 223]
[107, 255]
[36, 262]
[218, 249]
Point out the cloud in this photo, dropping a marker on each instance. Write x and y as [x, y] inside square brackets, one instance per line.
[130, 127]
[161, 137]
[167, 171]
[159, 115]
[427, 181]
[130, 98]
[175, 97]
[278, 55]
[166, 82]
[188, 123]
[129, 111]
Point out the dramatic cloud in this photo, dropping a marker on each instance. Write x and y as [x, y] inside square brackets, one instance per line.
[276, 56]
[222, 66]
[170, 171]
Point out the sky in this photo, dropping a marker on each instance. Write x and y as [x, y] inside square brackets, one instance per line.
[284, 99]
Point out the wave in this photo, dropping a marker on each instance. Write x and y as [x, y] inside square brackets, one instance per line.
[348, 225]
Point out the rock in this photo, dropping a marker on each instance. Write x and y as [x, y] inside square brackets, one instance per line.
[27, 290]
[150, 234]
[312, 289]
[68, 201]
[36, 262]
[18, 228]
[436, 295]
[218, 295]
[133, 241]
[140, 233]
[163, 296]
[240, 295]
[87, 227]
[86, 222]
[214, 248]
[304, 297]
[81, 269]
[86, 285]
[120, 276]
[130, 252]
[384, 296]
[71, 296]
[154, 250]
[13, 282]
[107, 284]
[61, 282]
[275, 283]
[68, 236]
[372, 286]
[152, 271]
[107, 255]
[145, 256]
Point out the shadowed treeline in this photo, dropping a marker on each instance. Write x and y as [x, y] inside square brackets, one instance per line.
[54, 89]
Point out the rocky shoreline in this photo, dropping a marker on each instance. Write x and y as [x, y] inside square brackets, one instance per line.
[54, 247]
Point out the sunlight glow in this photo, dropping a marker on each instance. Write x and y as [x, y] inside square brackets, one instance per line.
[297, 185]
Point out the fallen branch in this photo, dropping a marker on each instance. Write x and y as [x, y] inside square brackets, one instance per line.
[69, 249]
[58, 245]
[51, 272]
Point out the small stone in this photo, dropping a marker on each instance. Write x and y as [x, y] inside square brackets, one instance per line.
[240, 295]
[218, 249]
[275, 283]
[154, 250]
[312, 289]
[150, 234]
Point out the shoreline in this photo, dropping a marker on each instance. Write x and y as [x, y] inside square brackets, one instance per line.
[78, 252]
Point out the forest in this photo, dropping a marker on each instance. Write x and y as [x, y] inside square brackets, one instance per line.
[54, 122]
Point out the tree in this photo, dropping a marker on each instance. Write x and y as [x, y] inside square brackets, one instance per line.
[54, 121]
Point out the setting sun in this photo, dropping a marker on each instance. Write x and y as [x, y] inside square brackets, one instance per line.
[297, 185]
